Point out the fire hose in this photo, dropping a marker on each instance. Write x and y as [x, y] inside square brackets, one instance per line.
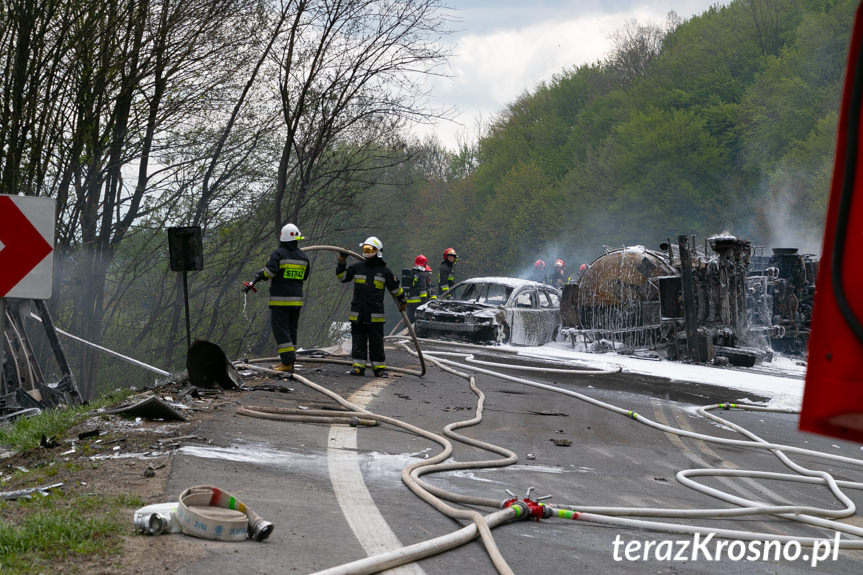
[622, 516]
[612, 515]
[799, 513]
[206, 512]
[410, 477]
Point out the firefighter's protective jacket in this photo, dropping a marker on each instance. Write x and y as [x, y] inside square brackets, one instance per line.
[288, 268]
[420, 285]
[445, 276]
[370, 277]
[559, 278]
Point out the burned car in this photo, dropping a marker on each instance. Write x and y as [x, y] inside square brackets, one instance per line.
[494, 310]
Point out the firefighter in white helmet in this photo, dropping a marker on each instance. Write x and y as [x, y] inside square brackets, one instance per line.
[288, 268]
[371, 277]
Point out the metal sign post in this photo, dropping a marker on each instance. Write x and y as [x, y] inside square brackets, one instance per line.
[186, 252]
[3, 390]
[26, 262]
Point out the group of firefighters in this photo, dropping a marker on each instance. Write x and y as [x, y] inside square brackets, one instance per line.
[557, 278]
[420, 288]
[288, 268]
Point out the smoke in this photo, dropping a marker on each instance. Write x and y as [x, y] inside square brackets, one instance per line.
[572, 258]
[787, 229]
[784, 221]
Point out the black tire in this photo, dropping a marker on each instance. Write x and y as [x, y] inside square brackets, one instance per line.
[737, 356]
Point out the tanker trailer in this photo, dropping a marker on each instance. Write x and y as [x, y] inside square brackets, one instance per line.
[617, 297]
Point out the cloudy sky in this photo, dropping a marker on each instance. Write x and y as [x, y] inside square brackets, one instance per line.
[502, 48]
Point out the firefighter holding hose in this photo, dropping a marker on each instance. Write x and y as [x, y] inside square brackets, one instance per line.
[370, 276]
[288, 268]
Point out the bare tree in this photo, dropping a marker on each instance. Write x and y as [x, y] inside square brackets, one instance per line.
[139, 114]
[633, 49]
[91, 92]
[766, 19]
[349, 77]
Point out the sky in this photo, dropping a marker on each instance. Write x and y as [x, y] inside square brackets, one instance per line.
[504, 48]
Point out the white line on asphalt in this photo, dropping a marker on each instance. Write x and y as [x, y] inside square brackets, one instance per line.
[355, 501]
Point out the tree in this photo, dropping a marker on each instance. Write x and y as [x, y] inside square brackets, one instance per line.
[635, 46]
[349, 72]
[92, 91]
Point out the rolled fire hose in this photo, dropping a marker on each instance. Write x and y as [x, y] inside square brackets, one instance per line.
[422, 370]
[206, 512]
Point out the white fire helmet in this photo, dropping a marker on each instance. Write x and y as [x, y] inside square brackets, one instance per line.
[374, 243]
[290, 233]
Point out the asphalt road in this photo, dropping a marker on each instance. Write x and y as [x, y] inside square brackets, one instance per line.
[335, 495]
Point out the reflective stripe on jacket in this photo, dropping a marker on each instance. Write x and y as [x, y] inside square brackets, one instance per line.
[420, 285]
[445, 276]
[369, 277]
[288, 268]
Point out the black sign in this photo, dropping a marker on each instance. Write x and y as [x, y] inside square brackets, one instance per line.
[186, 249]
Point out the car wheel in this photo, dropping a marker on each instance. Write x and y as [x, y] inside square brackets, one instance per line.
[501, 334]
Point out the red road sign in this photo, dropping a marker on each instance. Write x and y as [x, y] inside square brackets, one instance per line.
[27, 238]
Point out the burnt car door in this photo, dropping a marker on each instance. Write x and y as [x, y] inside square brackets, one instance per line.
[549, 306]
[525, 317]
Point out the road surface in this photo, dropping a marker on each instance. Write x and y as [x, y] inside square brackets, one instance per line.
[335, 494]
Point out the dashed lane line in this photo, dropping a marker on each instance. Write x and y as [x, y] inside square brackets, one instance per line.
[363, 516]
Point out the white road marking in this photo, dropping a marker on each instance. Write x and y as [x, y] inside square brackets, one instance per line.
[365, 519]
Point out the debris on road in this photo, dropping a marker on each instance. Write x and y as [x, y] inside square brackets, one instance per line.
[26, 493]
[149, 408]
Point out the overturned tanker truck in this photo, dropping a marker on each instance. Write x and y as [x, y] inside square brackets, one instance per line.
[732, 303]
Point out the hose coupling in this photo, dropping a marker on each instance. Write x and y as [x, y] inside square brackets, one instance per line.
[260, 530]
[528, 508]
[153, 524]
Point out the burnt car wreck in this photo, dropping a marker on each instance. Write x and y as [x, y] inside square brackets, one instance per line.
[721, 301]
[496, 310]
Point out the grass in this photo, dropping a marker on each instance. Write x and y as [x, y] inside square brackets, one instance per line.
[60, 532]
[25, 433]
[44, 530]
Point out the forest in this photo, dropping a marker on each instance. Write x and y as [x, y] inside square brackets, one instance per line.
[241, 115]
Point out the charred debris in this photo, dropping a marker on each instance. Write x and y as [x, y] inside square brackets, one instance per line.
[24, 389]
[725, 302]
